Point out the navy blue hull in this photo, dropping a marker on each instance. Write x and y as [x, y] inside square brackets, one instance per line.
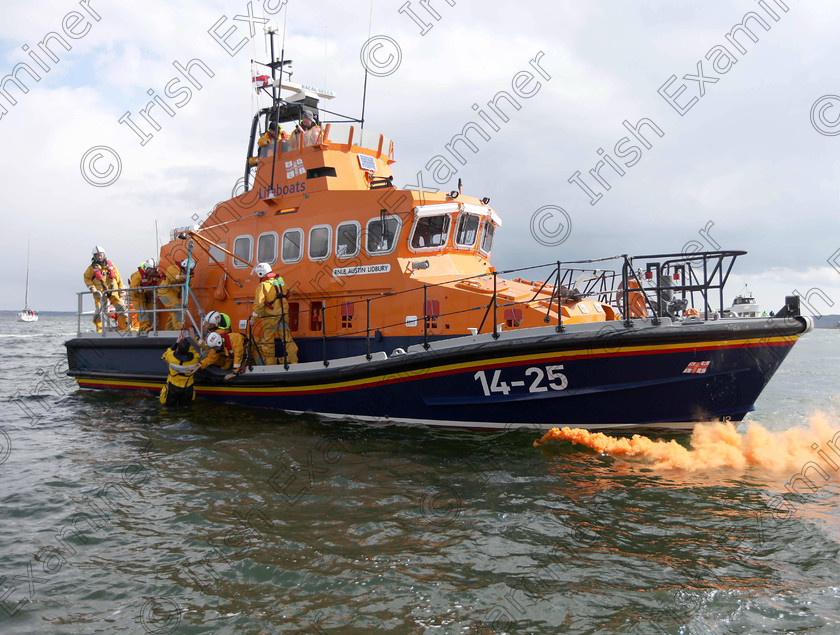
[671, 375]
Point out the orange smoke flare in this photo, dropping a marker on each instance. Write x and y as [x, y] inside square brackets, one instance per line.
[718, 445]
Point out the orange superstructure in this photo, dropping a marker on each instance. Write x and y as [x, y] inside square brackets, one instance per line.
[357, 254]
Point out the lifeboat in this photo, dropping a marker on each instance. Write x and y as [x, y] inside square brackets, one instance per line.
[400, 316]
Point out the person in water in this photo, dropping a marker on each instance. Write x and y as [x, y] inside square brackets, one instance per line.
[183, 362]
[271, 309]
[171, 298]
[104, 280]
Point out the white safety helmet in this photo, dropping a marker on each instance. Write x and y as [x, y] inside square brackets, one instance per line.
[188, 263]
[213, 318]
[214, 340]
[98, 249]
[151, 263]
[262, 269]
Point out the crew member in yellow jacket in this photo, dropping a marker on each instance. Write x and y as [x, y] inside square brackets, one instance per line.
[271, 312]
[227, 351]
[183, 362]
[142, 283]
[171, 298]
[103, 278]
[218, 322]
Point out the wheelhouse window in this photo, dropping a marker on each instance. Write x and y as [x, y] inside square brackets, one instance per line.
[292, 249]
[319, 242]
[382, 234]
[242, 248]
[430, 232]
[466, 231]
[347, 239]
[267, 248]
[487, 237]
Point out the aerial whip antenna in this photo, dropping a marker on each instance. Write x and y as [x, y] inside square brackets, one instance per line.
[275, 93]
[364, 90]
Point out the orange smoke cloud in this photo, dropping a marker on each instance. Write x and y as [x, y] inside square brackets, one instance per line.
[718, 445]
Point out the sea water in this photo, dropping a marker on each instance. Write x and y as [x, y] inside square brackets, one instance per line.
[120, 516]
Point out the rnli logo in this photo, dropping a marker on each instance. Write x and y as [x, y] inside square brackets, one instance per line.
[292, 188]
[697, 367]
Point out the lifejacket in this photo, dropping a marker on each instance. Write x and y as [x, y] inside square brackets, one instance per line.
[98, 267]
[145, 279]
[179, 366]
[276, 282]
[227, 344]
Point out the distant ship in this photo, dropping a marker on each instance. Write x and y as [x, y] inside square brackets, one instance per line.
[744, 305]
[27, 315]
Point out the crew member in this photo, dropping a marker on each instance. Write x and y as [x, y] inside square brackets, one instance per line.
[105, 281]
[214, 322]
[306, 128]
[142, 295]
[217, 321]
[183, 362]
[170, 297]
[272, 133]
[227, 351]
[272, 309]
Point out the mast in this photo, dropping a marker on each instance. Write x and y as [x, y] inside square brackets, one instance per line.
[26, 299]
[275, 91]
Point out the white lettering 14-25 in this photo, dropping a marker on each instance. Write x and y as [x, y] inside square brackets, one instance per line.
[536, 378]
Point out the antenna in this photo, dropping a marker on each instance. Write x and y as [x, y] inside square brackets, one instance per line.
[275, 91]
[364, 90]
[157, 240]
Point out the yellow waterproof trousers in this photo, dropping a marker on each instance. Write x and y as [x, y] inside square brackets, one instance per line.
[119, 307]
[274, 327]
[173, 319]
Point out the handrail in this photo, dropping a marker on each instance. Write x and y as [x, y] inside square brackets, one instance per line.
[668, 284]
[597, 286]
[125, 295]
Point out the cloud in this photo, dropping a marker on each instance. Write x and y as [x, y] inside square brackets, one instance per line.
[745, 157]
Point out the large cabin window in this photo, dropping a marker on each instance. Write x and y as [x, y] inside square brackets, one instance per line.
[347, 239]
[242, 248]
[487, 237]
[382, 234]
[267, 248]
[319, 242]
[467, 230]
[430, 232]
[292, 250]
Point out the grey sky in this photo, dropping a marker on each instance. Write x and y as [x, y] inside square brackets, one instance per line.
[754, 155]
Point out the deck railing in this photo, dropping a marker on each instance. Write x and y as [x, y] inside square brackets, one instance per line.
[110, 324]
[667, 285]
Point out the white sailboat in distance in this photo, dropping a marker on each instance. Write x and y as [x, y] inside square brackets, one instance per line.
[27, 315]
